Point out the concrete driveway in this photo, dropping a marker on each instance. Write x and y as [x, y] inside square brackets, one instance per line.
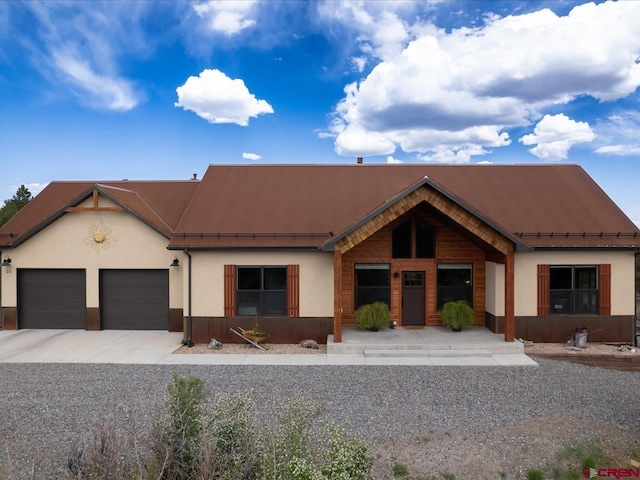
[80, 346]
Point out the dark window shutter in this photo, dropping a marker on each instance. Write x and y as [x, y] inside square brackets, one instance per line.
[543, 290]
[604, 283]
[293, 290]
[229, 290]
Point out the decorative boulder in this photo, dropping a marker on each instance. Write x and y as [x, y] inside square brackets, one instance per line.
[309, 344]
[214, 344]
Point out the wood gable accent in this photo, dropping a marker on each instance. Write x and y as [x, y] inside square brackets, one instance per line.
[441, 203]
[95, 207]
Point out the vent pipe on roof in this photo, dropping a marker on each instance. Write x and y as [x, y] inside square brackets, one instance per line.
[195, 176]
[359, 160]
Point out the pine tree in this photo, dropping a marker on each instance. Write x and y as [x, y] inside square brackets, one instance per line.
[14, 204]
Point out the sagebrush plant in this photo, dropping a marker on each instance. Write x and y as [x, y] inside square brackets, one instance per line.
[228, 438]
[109, 451]
[180, 438]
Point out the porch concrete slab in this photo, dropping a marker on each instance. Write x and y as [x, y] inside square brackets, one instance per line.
[346, 359]
[426, 338]
[406, 361]
[510, 360]
[468, 361]
[426, 353]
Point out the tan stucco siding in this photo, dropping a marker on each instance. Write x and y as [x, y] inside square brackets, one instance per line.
[494, 285]
[316, 279]
[622, 276]
[69, 243]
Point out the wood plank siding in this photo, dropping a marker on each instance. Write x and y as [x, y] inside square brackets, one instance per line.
[451, 247]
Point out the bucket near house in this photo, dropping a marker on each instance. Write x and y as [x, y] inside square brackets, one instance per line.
[580, 337]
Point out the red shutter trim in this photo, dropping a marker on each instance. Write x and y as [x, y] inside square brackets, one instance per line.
[230, 291]
[604, 284]
[543, 290]
[293, 290]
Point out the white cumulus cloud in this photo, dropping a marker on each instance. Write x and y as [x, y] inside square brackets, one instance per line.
[554, 135]
[228, 17]
[390, 159]
[220, 99]
[450, 95]
[251, 156]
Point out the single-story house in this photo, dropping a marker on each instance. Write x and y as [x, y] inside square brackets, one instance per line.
[536, 250]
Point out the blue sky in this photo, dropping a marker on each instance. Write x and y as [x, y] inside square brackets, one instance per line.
[160, 90]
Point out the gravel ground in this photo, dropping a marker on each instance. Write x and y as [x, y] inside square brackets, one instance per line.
[471, 422]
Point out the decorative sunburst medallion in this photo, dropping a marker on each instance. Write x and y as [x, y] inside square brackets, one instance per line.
[100, 237]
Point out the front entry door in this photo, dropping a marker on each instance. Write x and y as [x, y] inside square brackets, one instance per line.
[413, 298]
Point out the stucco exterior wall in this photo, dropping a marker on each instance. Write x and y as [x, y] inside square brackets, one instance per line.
[68, 243]
[494, 285]
[316, 278]
[622, 276]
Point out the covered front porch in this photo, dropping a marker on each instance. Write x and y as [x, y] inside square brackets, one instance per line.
[414, 244]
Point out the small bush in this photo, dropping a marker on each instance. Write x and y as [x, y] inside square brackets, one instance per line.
[229, 439]
[400, 470]
[373, 316]
[535, 474]
[457, 314]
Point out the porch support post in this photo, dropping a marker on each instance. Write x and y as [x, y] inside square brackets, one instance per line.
[337, 296]
[509, 297]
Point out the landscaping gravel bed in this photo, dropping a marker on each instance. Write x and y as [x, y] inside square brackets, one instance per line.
[45, 408]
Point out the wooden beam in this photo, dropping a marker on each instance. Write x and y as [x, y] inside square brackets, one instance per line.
[95, 199]
[337, 296]
[95, 209]
[509, 298]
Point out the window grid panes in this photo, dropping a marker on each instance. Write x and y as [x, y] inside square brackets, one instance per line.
[455, 282]
[573, 290]
[262, 291]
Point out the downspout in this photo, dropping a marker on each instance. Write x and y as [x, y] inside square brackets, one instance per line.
[189, 342]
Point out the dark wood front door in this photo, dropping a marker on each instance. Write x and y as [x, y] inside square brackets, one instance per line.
[413, 298]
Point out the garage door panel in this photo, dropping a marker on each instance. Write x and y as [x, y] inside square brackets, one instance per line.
[134, 299]
[51, 298]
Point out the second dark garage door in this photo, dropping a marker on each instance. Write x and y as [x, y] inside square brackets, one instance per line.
[134, 299]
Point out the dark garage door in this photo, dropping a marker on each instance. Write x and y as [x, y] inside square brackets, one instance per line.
[52, 298]
[134, 299]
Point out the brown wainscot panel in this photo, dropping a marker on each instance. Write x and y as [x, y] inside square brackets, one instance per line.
[280, 329]
[493, 323]
[93, 319]
[9, 318]
[559, 329]
[176, 320]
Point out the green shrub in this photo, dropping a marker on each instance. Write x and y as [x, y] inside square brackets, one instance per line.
[180, 439]
[400, 470]
[535, 474]
[373, 316]
[457, 314]
[229, 439]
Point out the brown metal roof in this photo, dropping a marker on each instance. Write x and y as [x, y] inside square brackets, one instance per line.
[275, 205]
[160, 204]
[306, 206]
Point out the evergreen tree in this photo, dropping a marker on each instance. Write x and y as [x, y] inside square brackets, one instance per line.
[14, 204]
